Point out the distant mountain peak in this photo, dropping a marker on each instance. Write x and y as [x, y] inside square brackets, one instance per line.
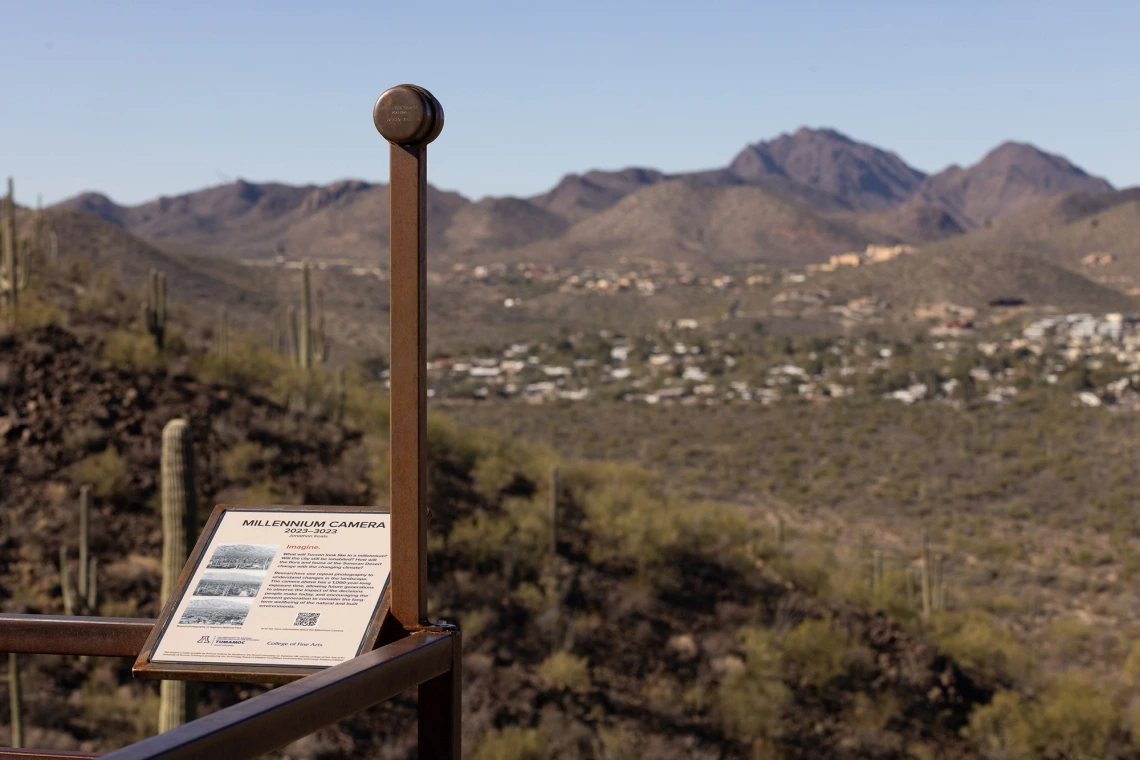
[827, 133]
[1011, 177]
[858, 176]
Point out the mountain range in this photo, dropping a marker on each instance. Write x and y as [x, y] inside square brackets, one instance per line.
[796, 199]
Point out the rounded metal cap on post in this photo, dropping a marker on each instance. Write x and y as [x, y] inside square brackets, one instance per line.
[408, 115]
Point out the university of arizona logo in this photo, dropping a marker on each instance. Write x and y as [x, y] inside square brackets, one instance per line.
[204, 640]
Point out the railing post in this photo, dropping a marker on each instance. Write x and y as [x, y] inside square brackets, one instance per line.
[409, 117]
[441, 709]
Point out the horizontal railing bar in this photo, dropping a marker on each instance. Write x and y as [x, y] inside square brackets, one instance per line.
[278, 717]
[69, 634]
[8, 753]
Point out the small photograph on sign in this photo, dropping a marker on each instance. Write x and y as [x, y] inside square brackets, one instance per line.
[244, 583]
[215, 611]
[242, 557]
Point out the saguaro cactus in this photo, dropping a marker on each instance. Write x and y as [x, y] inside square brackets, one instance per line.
[939, 590]
[306, 329]
[320, 346]
[222, 341]
[14, 700]
[38, 228]
[179, 523]
[275, 333]
[84, 496]
[8, 264]
[294, 344]
[81, 596]
[554, 511]
[156, 308]
[877, 589]
[65, 585]
[341, 392]
[23, 265]
[926, 580]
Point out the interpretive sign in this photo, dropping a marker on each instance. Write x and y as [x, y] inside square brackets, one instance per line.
[274, 593]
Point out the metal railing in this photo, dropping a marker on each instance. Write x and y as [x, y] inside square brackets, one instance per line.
[412, 652]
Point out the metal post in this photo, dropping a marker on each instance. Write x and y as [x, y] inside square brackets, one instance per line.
[441, 709]
[409, 117]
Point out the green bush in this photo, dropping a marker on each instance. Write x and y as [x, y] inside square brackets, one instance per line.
[816, 651]
[131, 351]
[980, 643]
[565, 671]
[366, 405]
[511, 743]
[36, 312]
[751, 700]
[105, 472]
[251, 367]
[518, 538]
[1131, 668]
[264, 492]
[238, 462]
[1071, 718]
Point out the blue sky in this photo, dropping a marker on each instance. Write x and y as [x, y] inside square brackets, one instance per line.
[140, 99]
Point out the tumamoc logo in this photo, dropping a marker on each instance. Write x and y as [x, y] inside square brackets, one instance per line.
[204, 640]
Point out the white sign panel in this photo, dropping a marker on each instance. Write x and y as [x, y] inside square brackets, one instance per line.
[284, 588]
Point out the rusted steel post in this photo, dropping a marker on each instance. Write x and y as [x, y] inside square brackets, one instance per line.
[409, 118]
[441, 708]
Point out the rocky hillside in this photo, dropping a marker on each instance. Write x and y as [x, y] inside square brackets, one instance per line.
[658, 629]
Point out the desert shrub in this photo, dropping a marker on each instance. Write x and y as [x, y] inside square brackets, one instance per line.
[812, 568]
[563, 670]
[617, 743]
[106, 702]
[475, 622]
[264, 492]
[980, 643]
[501, 460]
[36, 312]
[726, 533]
[247, 367]
[105, 472]
[751, 699]
[816, 650]
[238, 462]
[517, 537]
[511, 743]
[1071, 718]
[365, 404]
[379, 465]
[131, 351]
[1131, 669]
[1071, 638]
[97, 296]
[480, 536]
[630, 520]
[446, 440]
